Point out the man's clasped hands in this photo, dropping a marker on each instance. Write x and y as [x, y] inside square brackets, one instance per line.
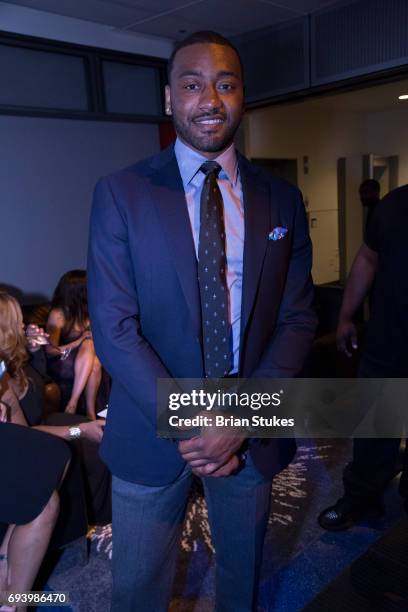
[212, 453]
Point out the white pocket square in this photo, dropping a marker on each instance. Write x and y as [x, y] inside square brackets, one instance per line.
[277, 233]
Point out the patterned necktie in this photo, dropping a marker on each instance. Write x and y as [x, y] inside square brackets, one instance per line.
[212, 276]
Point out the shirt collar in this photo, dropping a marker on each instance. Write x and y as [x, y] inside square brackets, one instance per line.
[189, 162]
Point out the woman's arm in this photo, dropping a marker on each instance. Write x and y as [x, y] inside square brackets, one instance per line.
[93, 430]
[54, 327]
[86, 335]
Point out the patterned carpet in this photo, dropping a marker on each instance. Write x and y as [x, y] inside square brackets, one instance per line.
[299, 559]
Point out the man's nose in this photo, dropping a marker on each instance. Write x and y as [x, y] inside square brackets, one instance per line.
[210, 99]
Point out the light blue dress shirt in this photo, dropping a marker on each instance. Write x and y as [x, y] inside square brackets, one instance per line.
[229, 182]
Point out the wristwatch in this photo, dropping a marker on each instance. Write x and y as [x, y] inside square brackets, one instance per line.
[74, 433]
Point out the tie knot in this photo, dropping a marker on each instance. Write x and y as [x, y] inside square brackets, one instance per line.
[210, 167]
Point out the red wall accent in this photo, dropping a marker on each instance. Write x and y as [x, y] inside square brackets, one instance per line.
[167, 134]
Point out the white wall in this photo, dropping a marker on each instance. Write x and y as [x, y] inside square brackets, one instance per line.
[48, 171]
[294, 131]
[324, 135]
[22, 20]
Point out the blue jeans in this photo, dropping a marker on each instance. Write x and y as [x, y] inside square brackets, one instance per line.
[147, 523]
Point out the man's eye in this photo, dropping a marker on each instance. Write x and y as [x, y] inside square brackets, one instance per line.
[226, 86]
[191, 86]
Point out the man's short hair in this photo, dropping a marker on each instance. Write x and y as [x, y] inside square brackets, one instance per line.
[371, 184]
[203, 37]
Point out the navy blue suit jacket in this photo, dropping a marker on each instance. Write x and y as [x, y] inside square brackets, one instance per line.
[145, 306]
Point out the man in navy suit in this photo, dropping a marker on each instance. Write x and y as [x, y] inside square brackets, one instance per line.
[151, 319]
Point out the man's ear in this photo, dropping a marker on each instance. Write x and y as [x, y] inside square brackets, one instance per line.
[167, 100]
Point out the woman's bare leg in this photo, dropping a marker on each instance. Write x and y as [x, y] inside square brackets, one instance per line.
[27, 546]
[92, 387]
[3, 558]
[83, 368]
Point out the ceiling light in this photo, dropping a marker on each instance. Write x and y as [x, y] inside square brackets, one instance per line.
[403, 97]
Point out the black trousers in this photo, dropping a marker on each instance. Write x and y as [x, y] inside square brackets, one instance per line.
[375, 460]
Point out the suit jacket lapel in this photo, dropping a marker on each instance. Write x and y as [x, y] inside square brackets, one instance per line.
[259, 218]
[169, 198]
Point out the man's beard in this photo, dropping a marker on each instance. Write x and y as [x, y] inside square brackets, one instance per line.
[207, 143]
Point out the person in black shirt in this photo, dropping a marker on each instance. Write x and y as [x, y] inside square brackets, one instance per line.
[370, 197]
[379, 265]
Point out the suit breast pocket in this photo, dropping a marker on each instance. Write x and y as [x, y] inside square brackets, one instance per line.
[276, 258]
[278, 247]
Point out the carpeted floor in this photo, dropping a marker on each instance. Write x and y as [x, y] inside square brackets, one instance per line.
[376, 581]
[300, 559]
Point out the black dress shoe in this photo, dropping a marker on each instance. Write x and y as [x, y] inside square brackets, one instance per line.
[344, 515]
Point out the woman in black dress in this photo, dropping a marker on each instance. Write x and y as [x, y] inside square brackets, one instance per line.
[29, 479]
[72, 362]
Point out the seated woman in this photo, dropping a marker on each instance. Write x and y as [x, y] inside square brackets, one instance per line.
[72, 362]
[29, 504]
[86, 489]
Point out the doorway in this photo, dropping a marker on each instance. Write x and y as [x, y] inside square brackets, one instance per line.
[351, 172]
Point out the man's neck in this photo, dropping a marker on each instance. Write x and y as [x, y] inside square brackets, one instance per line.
[208, 154]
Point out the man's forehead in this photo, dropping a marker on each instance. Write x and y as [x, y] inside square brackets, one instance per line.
[201, 57]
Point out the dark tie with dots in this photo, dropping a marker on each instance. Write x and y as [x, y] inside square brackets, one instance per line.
[212, 276]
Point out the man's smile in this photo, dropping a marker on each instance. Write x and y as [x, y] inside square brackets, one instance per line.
[209, 120]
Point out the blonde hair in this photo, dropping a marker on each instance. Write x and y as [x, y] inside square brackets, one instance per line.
[12, 339]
